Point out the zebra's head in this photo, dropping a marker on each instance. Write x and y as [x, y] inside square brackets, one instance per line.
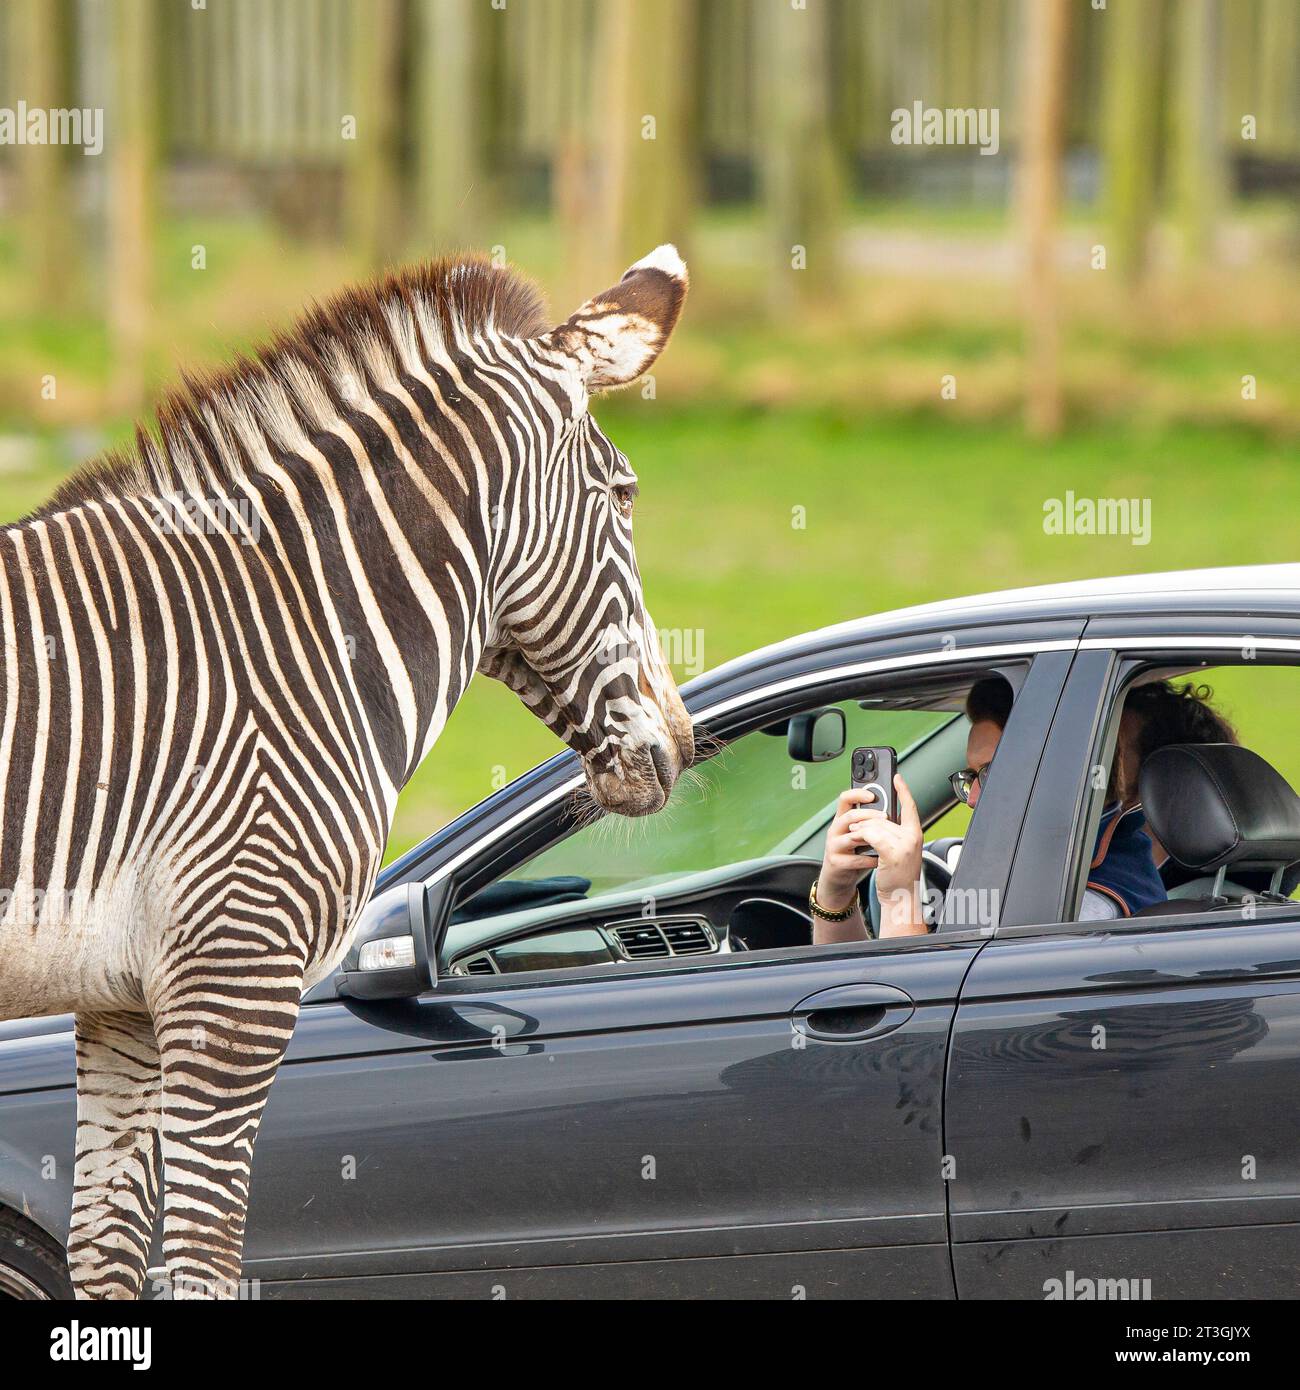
[570, 631]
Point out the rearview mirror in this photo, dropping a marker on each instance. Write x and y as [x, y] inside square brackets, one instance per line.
[817, 736]
[389, 956]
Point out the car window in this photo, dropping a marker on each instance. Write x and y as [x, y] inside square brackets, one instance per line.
[1261, 702]
[1256, 705]
[749, 801]
[727, 866]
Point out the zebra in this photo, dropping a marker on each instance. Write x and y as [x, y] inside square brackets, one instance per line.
[226, 649]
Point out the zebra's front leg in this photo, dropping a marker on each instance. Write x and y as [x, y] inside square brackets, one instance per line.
[222, 1033]
[119, 1086]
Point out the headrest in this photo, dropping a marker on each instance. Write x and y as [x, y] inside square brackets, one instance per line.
[1216, 804]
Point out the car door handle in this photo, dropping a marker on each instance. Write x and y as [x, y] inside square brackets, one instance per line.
[852, 1013]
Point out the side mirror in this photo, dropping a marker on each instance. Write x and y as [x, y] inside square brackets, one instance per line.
[817, 736]
[389, 955]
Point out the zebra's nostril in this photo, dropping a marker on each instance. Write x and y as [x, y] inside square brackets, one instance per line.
[663, 768]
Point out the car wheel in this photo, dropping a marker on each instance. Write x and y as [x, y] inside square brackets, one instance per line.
[32, 1264]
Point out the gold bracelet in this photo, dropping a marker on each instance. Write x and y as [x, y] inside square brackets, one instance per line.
[825, 913]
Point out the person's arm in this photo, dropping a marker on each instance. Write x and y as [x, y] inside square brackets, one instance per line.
[1097, 907]
[896, 858]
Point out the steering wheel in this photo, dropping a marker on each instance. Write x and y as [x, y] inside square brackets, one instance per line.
[938, 879]
[763, 921]
[937, 873]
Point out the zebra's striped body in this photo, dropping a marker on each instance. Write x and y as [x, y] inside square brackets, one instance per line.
[225, 654]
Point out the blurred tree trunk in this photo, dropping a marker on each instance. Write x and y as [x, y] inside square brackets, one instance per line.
[654, 133]
[611, 115]
[448, 175]
[374, 183]
[1279, 31]
[593, 159]
[40, 40]
[625, 177]
[800, 176]
[1197, 136]
[1130, 130]
[1042, 125]
[131, 141]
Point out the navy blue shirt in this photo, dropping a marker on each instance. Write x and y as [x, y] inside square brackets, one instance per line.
[1123, 868]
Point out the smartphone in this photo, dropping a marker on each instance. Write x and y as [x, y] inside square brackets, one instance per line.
[873, 769]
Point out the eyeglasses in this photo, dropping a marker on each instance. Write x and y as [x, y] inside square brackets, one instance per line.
[964, 781]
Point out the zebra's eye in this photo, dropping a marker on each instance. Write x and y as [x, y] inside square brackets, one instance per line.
[625, 497]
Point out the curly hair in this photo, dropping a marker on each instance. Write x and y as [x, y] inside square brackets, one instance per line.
[1176, 714]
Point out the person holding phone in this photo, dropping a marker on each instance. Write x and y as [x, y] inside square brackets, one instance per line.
[894, 847]
[1123, 876]
[862, 838]
[894, 852]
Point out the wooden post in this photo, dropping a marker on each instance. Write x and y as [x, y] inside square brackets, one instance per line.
[590, 160]
[624, 178]
[799, 168]
[130, 140]
[374, 201]
[652, 199]
[448, 176]
[1197, 136]
[1042, 125]
[1130, 130]
[1279, 33]
[39, 35]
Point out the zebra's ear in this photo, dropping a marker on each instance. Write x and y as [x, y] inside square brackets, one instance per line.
[617, 335]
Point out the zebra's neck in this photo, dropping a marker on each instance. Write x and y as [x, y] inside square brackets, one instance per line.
[348, 572]
[347, 490]
[380, 545]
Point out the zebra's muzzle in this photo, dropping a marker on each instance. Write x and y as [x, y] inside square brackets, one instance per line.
[639, 782]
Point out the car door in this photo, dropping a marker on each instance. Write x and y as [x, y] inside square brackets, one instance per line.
[625, 1137]
[766, 1124]
[1120, 1103]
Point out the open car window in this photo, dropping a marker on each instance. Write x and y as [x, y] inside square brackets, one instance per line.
[749, 801]
[727, 866]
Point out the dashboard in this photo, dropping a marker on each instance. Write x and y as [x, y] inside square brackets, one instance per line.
[754, 905]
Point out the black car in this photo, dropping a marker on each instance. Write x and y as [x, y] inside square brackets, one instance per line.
[588, 1058]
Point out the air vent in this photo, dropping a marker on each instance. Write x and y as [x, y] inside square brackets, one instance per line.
[687, 938]
[482, 964]
[641, 942]
[668, 936]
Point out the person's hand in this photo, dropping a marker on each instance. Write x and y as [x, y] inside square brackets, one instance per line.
[895, 849]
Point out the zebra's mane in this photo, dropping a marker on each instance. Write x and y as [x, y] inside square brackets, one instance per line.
[211, 427]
